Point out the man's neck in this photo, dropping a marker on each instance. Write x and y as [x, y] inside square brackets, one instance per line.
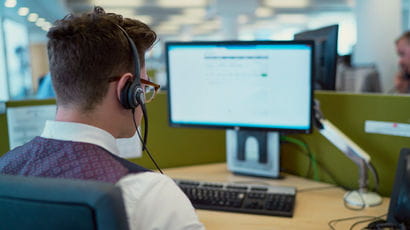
[94, 118]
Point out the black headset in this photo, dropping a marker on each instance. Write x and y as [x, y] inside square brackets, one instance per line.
[132, 95]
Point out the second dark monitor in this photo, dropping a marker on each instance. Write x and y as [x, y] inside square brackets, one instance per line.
[325, 55]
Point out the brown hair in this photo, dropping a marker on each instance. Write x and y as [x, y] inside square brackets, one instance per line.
[84, 51]
[405, 35]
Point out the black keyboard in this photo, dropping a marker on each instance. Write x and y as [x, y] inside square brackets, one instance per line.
[243, 198]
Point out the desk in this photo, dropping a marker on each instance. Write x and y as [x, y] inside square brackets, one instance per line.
[313, 210]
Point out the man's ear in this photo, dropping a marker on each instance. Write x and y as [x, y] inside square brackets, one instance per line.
[122, 82]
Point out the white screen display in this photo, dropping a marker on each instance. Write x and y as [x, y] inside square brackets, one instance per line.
[240, 85]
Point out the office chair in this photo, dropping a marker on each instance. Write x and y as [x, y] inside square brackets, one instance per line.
[52, 203]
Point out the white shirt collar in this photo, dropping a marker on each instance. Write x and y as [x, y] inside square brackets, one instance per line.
[77, 132]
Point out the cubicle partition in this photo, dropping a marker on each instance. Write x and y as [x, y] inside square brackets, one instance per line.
[349, 112]
[171, 147]
[174, 147]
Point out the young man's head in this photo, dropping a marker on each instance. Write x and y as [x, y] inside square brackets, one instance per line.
[403, 51]
[85, 52]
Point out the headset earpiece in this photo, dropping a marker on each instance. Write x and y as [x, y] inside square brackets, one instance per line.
[132, 96]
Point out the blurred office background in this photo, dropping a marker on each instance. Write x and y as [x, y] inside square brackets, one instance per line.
[367, 30]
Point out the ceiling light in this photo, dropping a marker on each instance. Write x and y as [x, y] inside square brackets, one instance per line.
[46, 26]
[10, 3]
[125, 12]
[209, 26]
[351, 3]
[263, 12]
[292, 18]
[181, 3]
[23, 11]
[32, 17]
[195, 12]
[181, 19]
[287, 3]
[144, 18]
[119, 3]
[40, 22]
[243, 19]
[130, 13]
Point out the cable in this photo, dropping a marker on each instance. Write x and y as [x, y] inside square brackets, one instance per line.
[305, 147]
[330, 223]
[368, 220]
[319, 163]
[144, 113]
[302, 146]
[144, 140]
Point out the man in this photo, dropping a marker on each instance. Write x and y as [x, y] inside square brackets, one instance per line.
[402, 79]
[90, 63]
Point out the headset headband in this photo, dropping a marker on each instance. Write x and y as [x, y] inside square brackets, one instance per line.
[137, 81]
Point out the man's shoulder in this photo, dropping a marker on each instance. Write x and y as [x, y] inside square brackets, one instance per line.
[146, 182]
[16, 158]
[29, 146]
[146, 177]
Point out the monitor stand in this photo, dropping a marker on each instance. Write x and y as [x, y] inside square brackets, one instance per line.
[253, 153]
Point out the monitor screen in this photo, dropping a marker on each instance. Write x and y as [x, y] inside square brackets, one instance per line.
[237, 84]
[399, 209]
[325, 55]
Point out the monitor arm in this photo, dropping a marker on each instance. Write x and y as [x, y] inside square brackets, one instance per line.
[353, 152]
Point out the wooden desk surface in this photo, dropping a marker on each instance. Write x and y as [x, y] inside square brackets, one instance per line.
[313, 210]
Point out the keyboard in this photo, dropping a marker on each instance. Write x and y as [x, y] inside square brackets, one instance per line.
[242, 198]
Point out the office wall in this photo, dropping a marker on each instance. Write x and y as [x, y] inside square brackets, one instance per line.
[39, 63]
[4, 93]
[378, 26]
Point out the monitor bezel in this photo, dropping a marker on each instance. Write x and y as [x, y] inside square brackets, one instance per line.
[222, 43]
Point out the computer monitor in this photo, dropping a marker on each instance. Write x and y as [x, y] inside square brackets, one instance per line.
[399, 209]
[325, 55]
[261, 86]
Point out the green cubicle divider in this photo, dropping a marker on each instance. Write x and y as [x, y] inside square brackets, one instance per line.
[349, 112]
[173, 147]
[4, 137]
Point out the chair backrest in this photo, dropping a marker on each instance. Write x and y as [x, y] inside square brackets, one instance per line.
[358, 79]
[52, 203]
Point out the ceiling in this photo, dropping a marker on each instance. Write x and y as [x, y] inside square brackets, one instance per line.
[188, 19]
